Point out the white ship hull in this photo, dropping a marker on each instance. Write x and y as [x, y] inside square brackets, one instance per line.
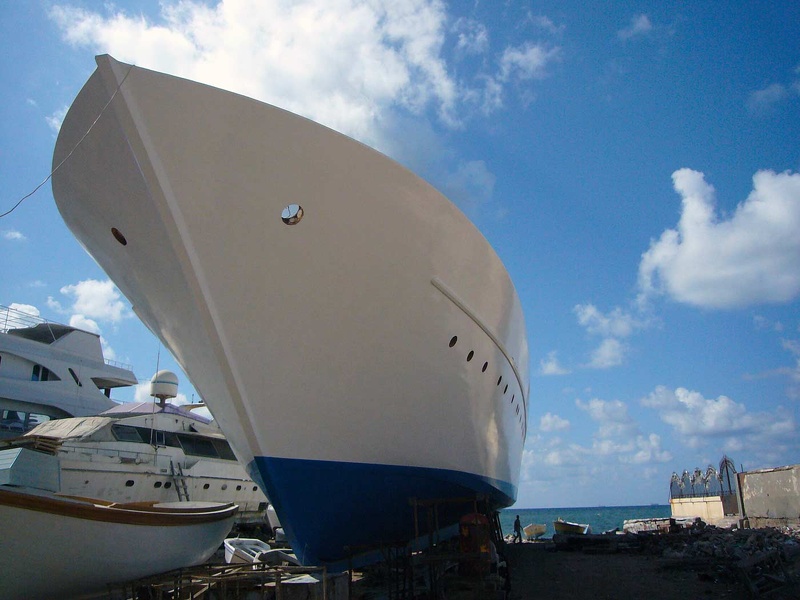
[371, 353]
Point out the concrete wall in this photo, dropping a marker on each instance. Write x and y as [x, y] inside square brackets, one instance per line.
[771, 497]
[708, 508]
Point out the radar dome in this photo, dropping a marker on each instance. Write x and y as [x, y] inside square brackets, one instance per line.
[163, 385]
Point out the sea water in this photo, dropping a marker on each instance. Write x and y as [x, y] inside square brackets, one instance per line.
[600, 518]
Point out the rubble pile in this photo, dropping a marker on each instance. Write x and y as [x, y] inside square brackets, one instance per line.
[732, 545]
[764, 560]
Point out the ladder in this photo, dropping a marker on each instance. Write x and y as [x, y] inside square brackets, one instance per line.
[180, 480]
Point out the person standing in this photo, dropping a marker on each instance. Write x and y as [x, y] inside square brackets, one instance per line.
[517, 531]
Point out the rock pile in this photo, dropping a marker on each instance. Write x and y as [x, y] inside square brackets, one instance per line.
[734, 545]
[764, 560]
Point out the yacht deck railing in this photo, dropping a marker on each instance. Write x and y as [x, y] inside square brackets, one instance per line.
[13, 318]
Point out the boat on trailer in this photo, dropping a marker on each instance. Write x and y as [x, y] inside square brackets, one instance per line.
[357, 339]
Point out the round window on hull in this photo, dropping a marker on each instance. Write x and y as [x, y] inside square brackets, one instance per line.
[292, 214]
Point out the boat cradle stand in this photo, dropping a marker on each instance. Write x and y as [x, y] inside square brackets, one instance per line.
[438, 561]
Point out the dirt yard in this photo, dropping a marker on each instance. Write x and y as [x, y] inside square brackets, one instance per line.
[540, 573]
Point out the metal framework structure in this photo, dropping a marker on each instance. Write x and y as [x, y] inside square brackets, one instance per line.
[711, 482]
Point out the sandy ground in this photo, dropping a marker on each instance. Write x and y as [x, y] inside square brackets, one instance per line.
[537, 572]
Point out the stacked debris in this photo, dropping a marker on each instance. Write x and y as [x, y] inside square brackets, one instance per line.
[764, 560]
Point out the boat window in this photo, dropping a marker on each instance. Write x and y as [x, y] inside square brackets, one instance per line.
[205, 486]
[126, 433]
[171, 439]
[118, 236]
[19, 421]
[129, 483]
[453, 340]
[75, 377]
[157, 484]
[224, 450]
[197, 446]
[41, 373]
[167, 485]
[292, 214]
[470, 355]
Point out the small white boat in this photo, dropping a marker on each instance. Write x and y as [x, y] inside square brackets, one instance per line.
[562, 526]
[244, 550]
[253, 550]
[64, 546]
[535, 530]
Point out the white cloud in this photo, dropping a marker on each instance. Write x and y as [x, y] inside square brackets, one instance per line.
[13, 235]
[647, 450]
[571, 455]
[546, 24]
[54, 121]
[640, 25]
[610, 353]
[362, 67]
[616, 323]
[761, 101]
[94, 299]
[82, 322]
[761, 322]
[340, 63]
[470, 185]
[750, 258]
[697, 419]
[473, 37]
[611, 415]
[25, 308]
[613, 326]
[551, 422]
[528, 61]
[551, 366]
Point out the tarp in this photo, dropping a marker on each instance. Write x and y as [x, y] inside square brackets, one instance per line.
[77, 427]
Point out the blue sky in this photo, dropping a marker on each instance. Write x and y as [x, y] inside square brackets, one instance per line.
[635, 167]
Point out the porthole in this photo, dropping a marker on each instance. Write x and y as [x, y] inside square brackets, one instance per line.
[499, 380]
[224, 486]
[118, 236]
[470, 355]
[485, 366]
[238, 488]
[129, 483]
[292, 214]
[518, 410]
[157, 484]
[512, 398]
[205, 486]
[167, 485]
[505, 389]
[453, 340]
[255, 488]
